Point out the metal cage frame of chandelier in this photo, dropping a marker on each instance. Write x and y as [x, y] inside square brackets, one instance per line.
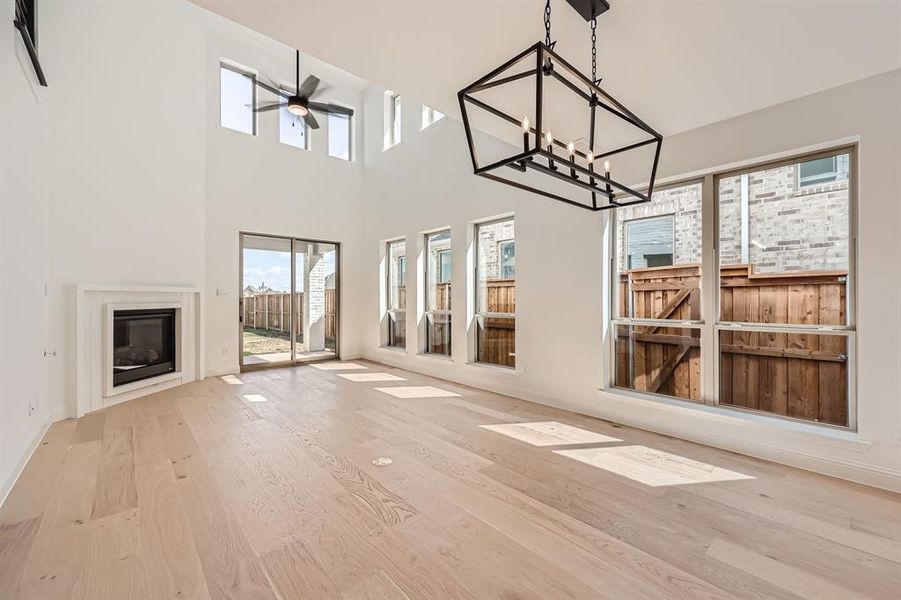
[595, 182]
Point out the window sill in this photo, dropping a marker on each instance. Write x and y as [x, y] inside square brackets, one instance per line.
[507, 371]
[709, 414]
[437, 356]
[394, 349]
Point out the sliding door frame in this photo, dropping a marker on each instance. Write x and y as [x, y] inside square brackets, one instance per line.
[293, 361]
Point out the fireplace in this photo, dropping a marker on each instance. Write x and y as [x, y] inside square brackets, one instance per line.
[144, 343]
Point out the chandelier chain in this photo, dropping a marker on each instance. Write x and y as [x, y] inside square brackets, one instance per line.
[547, 22]
[594, 50]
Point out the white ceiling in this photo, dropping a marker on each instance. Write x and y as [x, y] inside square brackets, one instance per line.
[679, 64]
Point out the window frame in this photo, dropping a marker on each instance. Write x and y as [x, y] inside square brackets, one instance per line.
[255, 96]
[350, 136]
[390, 311]
[710, 323]
[427, 278]
[617, 320]
[479, 313]
[835, 173]
[392, 116]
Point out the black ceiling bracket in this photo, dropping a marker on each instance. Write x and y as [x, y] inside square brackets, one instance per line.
[589, 9]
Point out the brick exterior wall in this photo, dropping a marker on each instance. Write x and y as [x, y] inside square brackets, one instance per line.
[790, 228]
[490, 237]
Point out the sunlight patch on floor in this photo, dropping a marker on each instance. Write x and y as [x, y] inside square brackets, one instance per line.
[231, 380]
[359, 377]
[417, 391]
[549, 433]
[255, 398]
[651, 467]
[337, 366]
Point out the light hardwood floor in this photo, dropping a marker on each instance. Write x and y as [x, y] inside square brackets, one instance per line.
[262, 486]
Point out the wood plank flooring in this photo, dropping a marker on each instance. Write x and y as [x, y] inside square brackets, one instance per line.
[262, 486]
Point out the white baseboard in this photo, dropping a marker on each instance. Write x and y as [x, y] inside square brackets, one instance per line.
[9, 480]
[717, 429]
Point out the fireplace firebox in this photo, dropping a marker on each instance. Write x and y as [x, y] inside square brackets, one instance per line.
[143, 344]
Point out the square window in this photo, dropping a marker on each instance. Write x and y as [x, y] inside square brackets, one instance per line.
[339, 136]
[649, 242]
[821, 171]
[237, 99]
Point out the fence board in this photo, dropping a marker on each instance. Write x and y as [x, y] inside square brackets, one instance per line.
[271, 312]
[799, 375]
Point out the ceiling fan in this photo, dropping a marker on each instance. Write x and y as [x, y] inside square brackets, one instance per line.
[300, 103]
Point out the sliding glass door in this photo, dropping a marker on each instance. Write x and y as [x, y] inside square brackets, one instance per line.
[288, 310]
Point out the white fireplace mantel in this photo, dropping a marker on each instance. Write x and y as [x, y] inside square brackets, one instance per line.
[94, 304]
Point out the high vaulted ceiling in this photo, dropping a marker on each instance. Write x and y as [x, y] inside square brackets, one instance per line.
[680, 64]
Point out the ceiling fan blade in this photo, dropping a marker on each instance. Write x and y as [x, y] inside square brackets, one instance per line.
[330, 108]
[323, 87]
[274, 106]
[308, 87]
[271, 88]
[311, 121]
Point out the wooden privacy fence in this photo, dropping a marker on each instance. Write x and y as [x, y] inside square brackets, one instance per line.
[272, 312]
[497, 335]
[800, 375]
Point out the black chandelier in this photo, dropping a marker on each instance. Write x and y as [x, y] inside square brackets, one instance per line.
[563, 168]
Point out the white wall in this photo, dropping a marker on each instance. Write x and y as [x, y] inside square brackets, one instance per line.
[256, 184]
[130, 179]
[128, 134]
[427, 182]
[25, 192]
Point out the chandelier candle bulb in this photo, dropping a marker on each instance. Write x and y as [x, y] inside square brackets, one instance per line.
[525, 134]
[549, 138]
[571, 148]
[589, 157]
[607, 174]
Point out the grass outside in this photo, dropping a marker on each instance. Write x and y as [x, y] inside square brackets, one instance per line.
[262, 341]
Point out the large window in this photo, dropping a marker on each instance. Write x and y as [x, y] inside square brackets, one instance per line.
[778, 294]
[496, 293]
[396, 258]
[393, 120]
[658, 253]
[237, 99]
[292, 130]
[785, 264]
[339, 136]
[438, 293]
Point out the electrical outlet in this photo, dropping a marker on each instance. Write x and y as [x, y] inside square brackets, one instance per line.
[225, 351]
[897, 436]
[32, 405]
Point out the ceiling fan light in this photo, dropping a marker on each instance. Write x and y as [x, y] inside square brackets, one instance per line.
[298, 110]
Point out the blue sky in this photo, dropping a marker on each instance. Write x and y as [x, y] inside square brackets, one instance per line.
[274, 269]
